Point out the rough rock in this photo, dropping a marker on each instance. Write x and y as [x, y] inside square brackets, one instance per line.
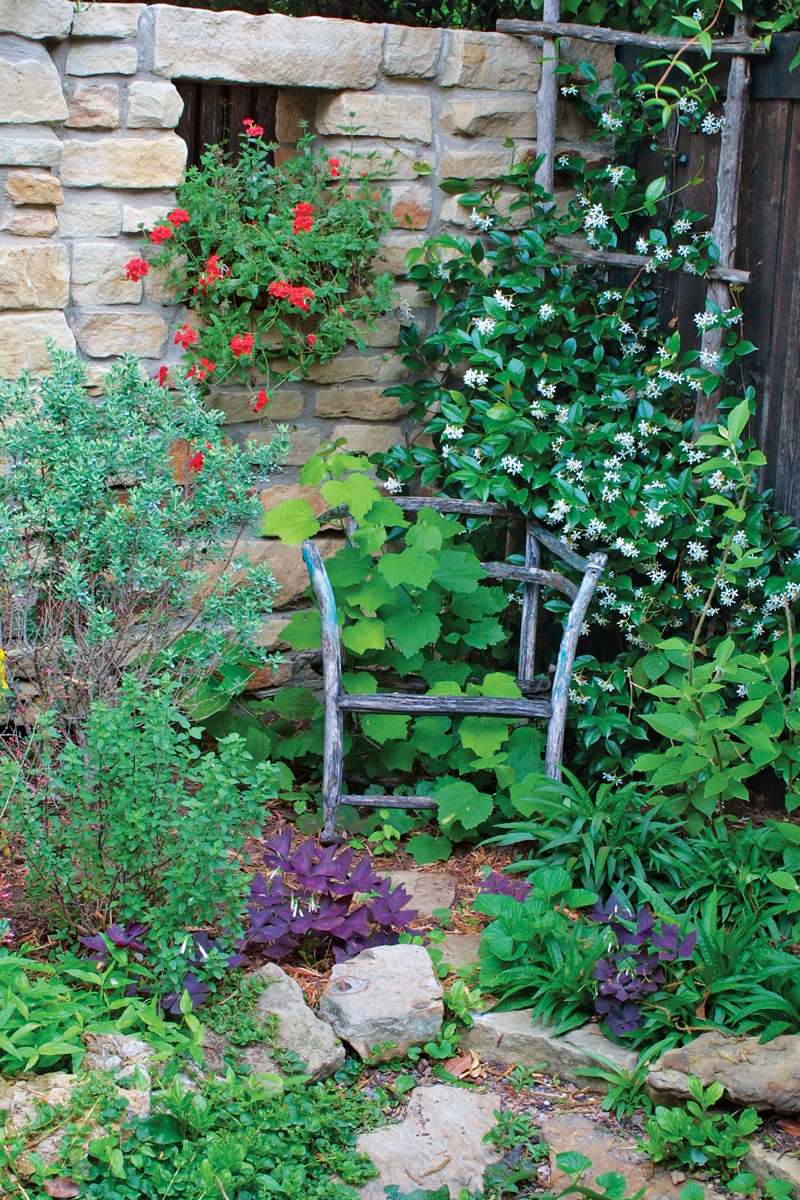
[511, 1037]
[33, 276]
[106, 334]
[102, 58]
[460, 949]
[29, 147]
[33, 187]
[147, 215]
[154, 105]
[769, 1164]
[286, 562]
[764, 1076]
[36, 18]
[368, 439]
[383, 116]
[124, 162]
[411, 53]
[439, 1143]
[272, 49]
[157, 286]
[107, 20]
[482, 162]
[30, 87]
[351, 365]
[304, 443]
[117, 1052]
[98, 274]
[79, 218]
[395, 161]
[385, 333]
[427, 889]
[94, 106]
[491, 61]
[387, 996]
[366, 403]
[32, 222]
[298, 1031]
[22, 341]
[490, 116]
[277, 493]
[285, 404]
[410, 204]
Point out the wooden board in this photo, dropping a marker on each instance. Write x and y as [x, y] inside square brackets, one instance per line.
[215, 113]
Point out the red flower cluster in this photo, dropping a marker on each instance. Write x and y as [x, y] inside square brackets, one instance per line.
[202, 371]
[297, 294]
[214, 271]
[137, 268]
[161, 233]
[312, 340]
[262, 400]
[186, 336]
[178, 216]
[242, 344]
[163, 372]
[334, 165]
[303, 219]
[197, 460]
[253, 130]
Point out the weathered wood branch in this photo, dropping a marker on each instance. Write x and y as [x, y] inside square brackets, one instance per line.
[496, 570]
[546, 101]
[616, 258]
[624, 37]
[416, 706]
[389, 801]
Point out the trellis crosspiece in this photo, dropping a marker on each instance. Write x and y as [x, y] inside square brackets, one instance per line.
[535, 704]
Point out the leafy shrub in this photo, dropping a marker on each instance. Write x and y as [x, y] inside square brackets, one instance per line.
[275, 261]
[119, 523]
[693, 1137]
[138, 826]
[309, 899]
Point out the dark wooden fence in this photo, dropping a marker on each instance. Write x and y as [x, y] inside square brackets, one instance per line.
[216, 112]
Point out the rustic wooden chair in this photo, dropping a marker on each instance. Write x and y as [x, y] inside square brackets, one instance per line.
[535, 701]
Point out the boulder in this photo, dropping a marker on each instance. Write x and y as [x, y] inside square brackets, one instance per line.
[386, 997]
[763, 1076]
[298, 1031]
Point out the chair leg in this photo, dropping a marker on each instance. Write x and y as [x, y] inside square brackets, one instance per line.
[333, 764]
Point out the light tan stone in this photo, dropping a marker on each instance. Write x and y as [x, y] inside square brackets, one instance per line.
[302, 444]
[570, 123]
[350, 365]
[286, 404]
[404, 116]
[411, 204]
[94, 106]
[269, 637]
[576, 51]
[30, 87]
[79, 217]
[492, 116]
[274, 50]
[486, 161]
[382, 160]
[33, 275]
[394, 248]
[102, 58]
[385, 332]
[369, 439]
[411, 53]
[366, 403]
[36, 18]
[124, 162]
[288, 115]
[32, 222]
[153, 104]
[105, 334]
[107, 20]
[277, 493]
[22, 341]
[157, 286]
[98, 274]
[29, 147]
[147, 215]
[492, 61]
[286, 563]
[29, 187]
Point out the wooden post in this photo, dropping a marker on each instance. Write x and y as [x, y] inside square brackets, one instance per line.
[729, 175]
[530, 613]
[546, 102]
[333, 759]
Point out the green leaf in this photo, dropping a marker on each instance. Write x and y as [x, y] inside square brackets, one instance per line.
[367, 634]
[461, 801]
[458, 571]
[424, 848]
[304, 631]
[357, 491]
[410, 630]
[292, 521]
[572, 1163]
[412, 568]
[483, 735]
[385, 727]
[655, 189]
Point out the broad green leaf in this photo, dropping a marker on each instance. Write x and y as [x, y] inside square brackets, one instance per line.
[303, 631]
[411, 630]
[385, 727]
[411, 568]
[367, 634]
[500, 685]
[458, 571]
[357, 491]
[483, 735]
[461, 801]
[573, 1162]
[424, 848]
[292, 521]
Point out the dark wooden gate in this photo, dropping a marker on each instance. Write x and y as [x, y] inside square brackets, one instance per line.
[216, 112]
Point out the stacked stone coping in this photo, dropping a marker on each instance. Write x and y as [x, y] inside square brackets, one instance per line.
[88, 153]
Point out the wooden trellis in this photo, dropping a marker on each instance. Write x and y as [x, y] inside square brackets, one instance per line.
[741, 47]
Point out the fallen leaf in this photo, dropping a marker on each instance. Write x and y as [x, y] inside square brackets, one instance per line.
[61, 1187]
[789, 1126]
[459, 1066]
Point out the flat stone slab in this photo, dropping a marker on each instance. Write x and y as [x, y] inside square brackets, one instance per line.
[438, 1143]
[769, 1164]
[513, 1037]
[460, 949]
[428, 889]
[764, 1076]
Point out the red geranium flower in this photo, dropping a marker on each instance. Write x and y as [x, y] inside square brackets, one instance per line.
[196, 462]
[280, 289]
[213, 269]
[303, 219]
[161, 233]
[163, 372]
[186, 336]
[262, 400]
[242, 344]
[333, 163]
[312, 340]
[253, 130]
[178, 216]
[299, 296]
[137, 268]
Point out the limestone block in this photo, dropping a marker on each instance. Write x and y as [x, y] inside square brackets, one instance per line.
[29, 147]
[79, 217]
[486, 161]
[384, 161]
[33, 187]
[576, 51]
[393, 252]
[154, 105]
[273, 49]
[493, 116]
[94, 106]
[269, 636]
[386, 332]
[350, 365]
[426, 890]
[286, 563]
[33, 275]
[105, 334]
[32, 222]
[102, 58]
[491, 61]
[366, 403]
[147, 215]
[368, 439]
[385, 116]
[286, 404]
[299, 1030]
[303, 443]
[124, 162]
[98, 274]
[107, 20]
[36, 18]
[411, 53]
[22, 341]
[571, 124]
[459, 949]
[772, 1164]
[411, 204]
[30, 87]
[764, 1076]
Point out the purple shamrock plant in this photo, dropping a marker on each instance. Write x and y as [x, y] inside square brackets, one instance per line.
[316, 894]
[128, 937]
[202, 948]
[495, 884]
[635, 969]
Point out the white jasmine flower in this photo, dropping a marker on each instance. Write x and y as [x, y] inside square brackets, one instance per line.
[595, 527]
[546, 311]
[562, 415]
[456, 432]
[485, 325]
[712, 124]
[548, 390]
[697, 551]
[611, 122]
[537, 410]
[641, 246]
[505, 302]
[392, 485]
[569, 89]
[484, 223]
[682, 225]
[511, 464]
[709, 359]
[616, 175]
[705, 320]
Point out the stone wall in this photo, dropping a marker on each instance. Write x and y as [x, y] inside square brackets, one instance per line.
[88, 152]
